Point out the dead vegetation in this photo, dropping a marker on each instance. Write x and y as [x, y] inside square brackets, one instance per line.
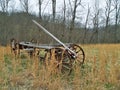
[99, 72]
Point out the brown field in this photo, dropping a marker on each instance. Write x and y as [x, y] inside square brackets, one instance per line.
[101, 71]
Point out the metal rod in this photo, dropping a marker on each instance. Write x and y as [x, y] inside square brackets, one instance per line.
[46, 31]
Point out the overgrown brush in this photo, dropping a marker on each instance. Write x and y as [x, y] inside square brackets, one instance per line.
[101, 71]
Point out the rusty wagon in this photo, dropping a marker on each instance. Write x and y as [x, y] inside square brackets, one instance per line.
[65, 54]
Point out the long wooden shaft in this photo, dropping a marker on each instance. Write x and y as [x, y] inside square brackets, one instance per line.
[46, 31]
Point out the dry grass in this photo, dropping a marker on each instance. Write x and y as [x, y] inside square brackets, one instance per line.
[101, 71]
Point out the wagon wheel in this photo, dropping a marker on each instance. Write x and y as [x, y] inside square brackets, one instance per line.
[64, 61]
[80, 53]
[13, 45]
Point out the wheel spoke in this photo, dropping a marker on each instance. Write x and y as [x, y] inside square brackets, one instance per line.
[66, 67]
[80, 53]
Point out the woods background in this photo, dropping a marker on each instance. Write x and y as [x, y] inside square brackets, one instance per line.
[101, 25]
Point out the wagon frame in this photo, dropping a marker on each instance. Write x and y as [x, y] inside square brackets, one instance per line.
[66, 55]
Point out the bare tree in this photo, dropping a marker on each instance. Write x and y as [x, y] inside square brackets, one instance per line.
[108, 11]
[64, 12]
[25, 4]
[4, 5]
[64, 20]
[94, 37]
[117, 12]
[74, 9]
[40, 7]
[86, 23]
[54, 9]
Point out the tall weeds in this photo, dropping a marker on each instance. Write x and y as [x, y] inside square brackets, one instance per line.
[101, 71]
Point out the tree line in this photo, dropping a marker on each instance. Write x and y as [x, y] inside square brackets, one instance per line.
[101, 25]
